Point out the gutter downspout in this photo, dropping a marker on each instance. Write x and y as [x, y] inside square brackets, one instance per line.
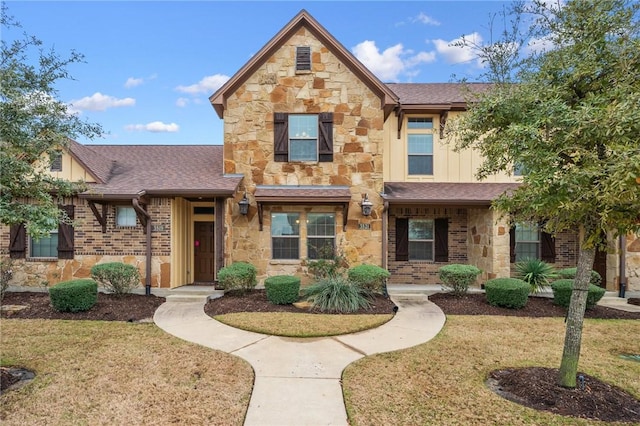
[143, 212]
[623, 254]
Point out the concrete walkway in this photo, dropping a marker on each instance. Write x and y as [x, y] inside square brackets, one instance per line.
[297, 381]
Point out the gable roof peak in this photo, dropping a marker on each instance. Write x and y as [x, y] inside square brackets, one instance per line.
[303, 19]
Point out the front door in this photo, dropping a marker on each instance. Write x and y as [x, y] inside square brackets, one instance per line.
[203, 251]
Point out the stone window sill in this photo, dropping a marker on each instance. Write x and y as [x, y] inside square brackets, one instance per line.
[284, 262]
[42, 259]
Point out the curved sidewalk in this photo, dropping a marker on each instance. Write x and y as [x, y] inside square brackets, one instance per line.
[297, 381]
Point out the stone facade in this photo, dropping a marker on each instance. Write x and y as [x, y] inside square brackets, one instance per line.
[92, 246]
[632, 262]
[358, 121]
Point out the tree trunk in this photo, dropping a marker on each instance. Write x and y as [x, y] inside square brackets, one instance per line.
[575, 319]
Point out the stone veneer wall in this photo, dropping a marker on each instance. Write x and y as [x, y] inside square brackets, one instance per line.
[420, 271]
[118, 244]
[632, 262]
[488, 243]
[357, 143]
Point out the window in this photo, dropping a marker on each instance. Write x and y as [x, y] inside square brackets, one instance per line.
[56, 161]
[303, 58]
[321, 228]
[45, 246]
[527, 241]
[285, 235]
[420, 145]
[125, 216]
[420, 239]
[303, 137]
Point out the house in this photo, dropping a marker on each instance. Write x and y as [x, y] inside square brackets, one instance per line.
[319, 157]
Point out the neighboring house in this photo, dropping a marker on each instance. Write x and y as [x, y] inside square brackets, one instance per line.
[312, 139]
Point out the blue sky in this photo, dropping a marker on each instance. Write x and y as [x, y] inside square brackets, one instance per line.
[151, 65]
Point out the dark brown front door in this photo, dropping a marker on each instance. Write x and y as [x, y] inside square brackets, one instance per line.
[203, 251]
[600, 266]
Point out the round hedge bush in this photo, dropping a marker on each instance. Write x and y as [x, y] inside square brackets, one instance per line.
[562, 290]
[507, 292]
[74, 295]
[457, 278]
[370, 277]
[239, 276]
[282, 289]
[570, 274]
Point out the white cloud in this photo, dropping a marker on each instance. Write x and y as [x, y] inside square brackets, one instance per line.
[133, 82]
[456, 52]
[154, 127]
[539, 45]
[390, 63]
[425, 19]
[208, 84]
[99, 102]
[182, 102]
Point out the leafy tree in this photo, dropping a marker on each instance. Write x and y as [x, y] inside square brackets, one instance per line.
[570, 118]
[33, 126]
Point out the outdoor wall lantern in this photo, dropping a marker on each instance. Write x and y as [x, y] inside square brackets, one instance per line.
[366, 205]
[244, 205]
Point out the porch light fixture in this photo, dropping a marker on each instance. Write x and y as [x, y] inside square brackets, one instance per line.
[366, 205]
[244, 205]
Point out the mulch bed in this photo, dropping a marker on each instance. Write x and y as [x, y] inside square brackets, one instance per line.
[534, 387]
[256, 301]
[129, 307]
[476, 304]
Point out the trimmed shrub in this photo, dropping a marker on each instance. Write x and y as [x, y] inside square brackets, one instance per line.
[371, 277]
[74, 295]
[116, 277]
[562, 290]
[239, 276]
[6, 273]
[570, 274]
[535, 272]
[282, 289]
[507, 292]
[457, 278]
[337, 294]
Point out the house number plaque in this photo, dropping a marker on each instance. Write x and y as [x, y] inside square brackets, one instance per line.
[364, 226]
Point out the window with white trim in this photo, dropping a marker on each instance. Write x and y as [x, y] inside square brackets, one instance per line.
[125, 216]
[527, 241]
[321, 235]
[45, 246]
[303, 137]
[285, 235]
[420, 145]
[421, 239]
[56, 161]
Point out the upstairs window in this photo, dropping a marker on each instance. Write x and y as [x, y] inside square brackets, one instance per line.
[56, 161]
[420, 145]
[303, 58]
[125, 216]
[303, 137]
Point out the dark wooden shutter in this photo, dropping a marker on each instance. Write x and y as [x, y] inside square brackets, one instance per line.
[547, 247]
[441, 234]
[512, 244]
[325, 137]
[303, 58]
[280, 137]
[17, 241]
[402, 239]
[65, 235]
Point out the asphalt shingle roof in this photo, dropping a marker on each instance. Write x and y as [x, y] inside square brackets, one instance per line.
[436, 93]
[156, 169]
[445, 192]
